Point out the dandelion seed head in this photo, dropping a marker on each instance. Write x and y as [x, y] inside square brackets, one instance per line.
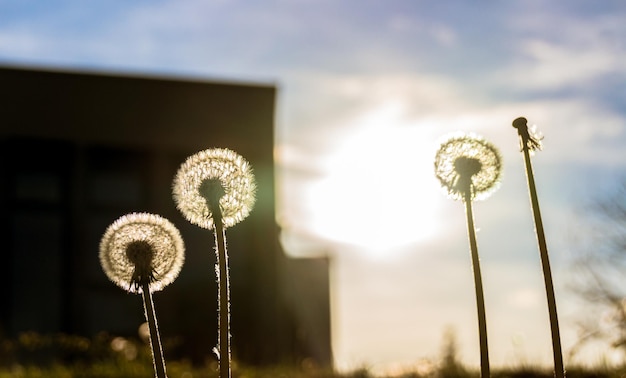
[466, 166]
[530, 138]
[142, 247]
[211, 190]
[210, 174]
[139, 252]
[468, 161]
[520, 122]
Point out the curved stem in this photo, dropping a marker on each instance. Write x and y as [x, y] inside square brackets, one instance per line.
[559, 369]
[224, 292]
[155, 340]
[478, 284]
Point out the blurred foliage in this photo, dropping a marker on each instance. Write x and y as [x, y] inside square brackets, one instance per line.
[32, 355]
[599, 268]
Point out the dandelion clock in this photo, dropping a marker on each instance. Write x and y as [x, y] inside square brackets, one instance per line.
[215, 182]
[143, 253]
[469, 168]
[215, 189]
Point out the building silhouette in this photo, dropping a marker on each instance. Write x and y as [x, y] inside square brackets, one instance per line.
[80, 149]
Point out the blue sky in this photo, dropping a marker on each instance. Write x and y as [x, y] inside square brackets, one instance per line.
[365, 91]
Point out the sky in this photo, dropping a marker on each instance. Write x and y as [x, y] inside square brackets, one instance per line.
[366, 91]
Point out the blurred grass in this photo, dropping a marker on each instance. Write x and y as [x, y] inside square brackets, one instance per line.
[32, 355]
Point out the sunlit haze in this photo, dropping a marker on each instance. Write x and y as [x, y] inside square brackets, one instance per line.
[365, 92]
[374, 190]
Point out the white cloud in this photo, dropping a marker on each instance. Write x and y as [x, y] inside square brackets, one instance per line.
[550, 66]
[559, 51]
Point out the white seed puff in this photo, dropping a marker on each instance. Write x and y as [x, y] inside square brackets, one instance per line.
[141, 247]
[237, 180]
[480, 160]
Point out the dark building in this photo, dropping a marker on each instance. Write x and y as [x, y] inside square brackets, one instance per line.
[78, 150]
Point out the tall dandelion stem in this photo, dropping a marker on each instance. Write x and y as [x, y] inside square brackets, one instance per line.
[478, 285]
[214, 189]
[155, 339]
[142, 253]
[468, 168]
[224, 291]
[529, 144]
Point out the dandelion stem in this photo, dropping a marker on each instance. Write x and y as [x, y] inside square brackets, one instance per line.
[478, 284]
[155, 339]
[224, 291]
[559, 370]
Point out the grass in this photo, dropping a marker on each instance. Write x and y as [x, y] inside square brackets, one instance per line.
[138, 369]
[32, 355]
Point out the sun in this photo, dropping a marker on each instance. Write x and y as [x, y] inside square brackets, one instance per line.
[378, 192]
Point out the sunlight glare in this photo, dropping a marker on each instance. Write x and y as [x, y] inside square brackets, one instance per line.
[379, 192]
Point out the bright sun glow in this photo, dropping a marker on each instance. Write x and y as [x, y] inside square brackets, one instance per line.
[379, 192]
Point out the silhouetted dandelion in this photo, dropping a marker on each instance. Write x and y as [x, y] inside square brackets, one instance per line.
[142, 253]
[468, 167]
[530, 142]
[467, 159]
[215, 189]
[219, 170]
